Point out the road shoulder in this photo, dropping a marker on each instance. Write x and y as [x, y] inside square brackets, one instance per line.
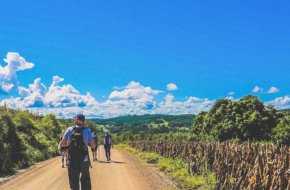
[157, 179]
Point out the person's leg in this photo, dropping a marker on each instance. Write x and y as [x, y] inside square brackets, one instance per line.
[106, 151]
[97, 152]
[93, 154]
[109, 152]
[66, 158]
[62, 159]
[74, 178]
[85, 178]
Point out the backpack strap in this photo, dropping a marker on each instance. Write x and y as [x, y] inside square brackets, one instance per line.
[73, 131]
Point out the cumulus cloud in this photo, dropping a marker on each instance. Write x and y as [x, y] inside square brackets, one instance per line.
[8, 73]
[55, 96]
[134, 91]
[192, 105]
[65, 100]
[171, 87]
[132, 99]
[65, 95]
[257, 89]
[273, 90]
[280, 102]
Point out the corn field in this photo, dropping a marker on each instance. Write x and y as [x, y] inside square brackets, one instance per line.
[236, 166]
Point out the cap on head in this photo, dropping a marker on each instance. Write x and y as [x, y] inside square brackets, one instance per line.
[80, 117]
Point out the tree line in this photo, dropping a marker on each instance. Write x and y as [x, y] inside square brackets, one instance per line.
[247, 119]
[26, 138]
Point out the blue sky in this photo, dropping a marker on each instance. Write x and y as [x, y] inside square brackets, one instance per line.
[208, 49]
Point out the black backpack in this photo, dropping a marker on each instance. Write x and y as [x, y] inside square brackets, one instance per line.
[77, 150]
[108, 140]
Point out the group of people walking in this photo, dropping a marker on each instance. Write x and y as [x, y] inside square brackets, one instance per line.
[74, 150]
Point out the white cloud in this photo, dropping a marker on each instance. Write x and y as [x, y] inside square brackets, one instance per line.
[257, 89]
[65, 100]
[132, 99]
[134, 91]
[273, 90]
[69, 112]
[171, 87]
[56, 96]
[8, 73]
[192, 105]
[280, 102]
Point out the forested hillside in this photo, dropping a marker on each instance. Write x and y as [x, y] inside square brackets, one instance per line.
[26, 139]
[240, 144]
[246, 119]
[242, 120]
[147, 123]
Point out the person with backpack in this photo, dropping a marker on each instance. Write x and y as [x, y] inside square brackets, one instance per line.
[108, 145]
[76, 140]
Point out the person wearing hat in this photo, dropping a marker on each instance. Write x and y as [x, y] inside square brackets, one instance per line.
[77, 139]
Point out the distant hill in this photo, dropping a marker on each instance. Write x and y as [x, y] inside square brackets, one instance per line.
[186, 119]
[285, 111]
[144, 123]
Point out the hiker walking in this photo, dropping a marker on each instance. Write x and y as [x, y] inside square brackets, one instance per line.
[108, 145]
[63, 154]
[95, 150]
[77, 139]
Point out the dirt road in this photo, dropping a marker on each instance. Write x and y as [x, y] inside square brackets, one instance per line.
[125, 172]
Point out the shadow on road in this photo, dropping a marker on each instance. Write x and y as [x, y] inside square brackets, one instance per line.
[110, 162]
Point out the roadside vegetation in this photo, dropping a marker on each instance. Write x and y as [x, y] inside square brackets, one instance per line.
[244, 143]
[247, 127]
[247, 119]
[26, 138]
[176, 169]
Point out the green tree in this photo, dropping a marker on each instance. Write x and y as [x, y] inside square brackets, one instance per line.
[246, 119]
[281, 133]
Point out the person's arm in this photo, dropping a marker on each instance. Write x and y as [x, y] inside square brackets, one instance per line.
[59, 146]
[64, 143]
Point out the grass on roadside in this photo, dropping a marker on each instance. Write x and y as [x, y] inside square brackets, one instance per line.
[175, 168]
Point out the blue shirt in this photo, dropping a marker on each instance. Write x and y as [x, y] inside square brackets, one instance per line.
[87, 134]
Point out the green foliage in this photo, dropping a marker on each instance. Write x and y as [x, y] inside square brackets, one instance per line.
[281, 133]
[246, 119]
[243, 120]
[128, 128]
[147, 123]
[26, 139]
